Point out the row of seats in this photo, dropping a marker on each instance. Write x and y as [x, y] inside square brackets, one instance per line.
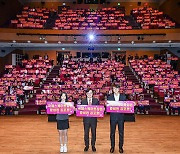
[149, 18]
[159, 75]
[87, 19]
[18, 82]
[31, 18]
[75, 77]
[106, 18]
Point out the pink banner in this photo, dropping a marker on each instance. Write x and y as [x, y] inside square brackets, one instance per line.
[174, 104]
[60, 108]
[120, 106]
[90, 111]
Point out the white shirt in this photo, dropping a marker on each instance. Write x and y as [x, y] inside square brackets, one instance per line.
[116, 97]
[89, 100]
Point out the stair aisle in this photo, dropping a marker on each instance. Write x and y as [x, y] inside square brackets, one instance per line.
[155, 108]
[31, 108]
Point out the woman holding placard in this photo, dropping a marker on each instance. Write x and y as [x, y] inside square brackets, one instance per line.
[63, 125]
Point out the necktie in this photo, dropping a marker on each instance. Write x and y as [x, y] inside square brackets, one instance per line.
[90, 101]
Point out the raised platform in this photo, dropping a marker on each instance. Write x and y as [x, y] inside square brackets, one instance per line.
[33, 134]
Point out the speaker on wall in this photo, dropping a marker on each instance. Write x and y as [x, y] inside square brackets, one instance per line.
[108, 2]
[74, 2]
[139, 3]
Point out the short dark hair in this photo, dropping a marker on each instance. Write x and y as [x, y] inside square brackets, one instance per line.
[88, 89]
[116, 86]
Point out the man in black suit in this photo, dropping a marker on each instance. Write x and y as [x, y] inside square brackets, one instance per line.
[116, 118]
[90, 122]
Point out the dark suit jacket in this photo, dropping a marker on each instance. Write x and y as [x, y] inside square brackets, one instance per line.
[116, 116]
[85, 102]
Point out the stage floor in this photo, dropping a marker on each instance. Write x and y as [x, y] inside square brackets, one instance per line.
[33, 134]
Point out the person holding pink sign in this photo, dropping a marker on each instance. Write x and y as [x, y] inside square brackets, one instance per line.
[116, 118]
[63, 125]
[90, 122]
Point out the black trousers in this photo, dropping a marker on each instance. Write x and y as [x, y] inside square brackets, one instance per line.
[113, 124]
[87, 126]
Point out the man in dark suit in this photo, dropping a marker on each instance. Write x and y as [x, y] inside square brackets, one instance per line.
[89, 122]
[116, 118]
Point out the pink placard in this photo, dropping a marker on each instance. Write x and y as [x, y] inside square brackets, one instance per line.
[90, 111]
[143, 103]
[12, 103]
[28, 88]
[1, 102]
[120, 106]
[40, 102]
[174, 104]
[60, 108]
[9, 66]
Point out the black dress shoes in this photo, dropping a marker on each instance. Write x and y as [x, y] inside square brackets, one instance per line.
[93, 148]
[86, 148]
[112, 150]
[121, 150]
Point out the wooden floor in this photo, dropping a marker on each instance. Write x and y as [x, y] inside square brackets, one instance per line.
[33, 134]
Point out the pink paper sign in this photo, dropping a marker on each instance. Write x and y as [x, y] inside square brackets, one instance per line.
[120, 106]
[90, 111]
[175, 104]
[12, 103]
[60, 108]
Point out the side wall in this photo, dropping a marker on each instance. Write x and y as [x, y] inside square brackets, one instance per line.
[8, 9]
[171, 8]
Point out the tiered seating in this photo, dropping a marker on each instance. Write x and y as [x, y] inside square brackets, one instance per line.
[106, 18]
[150, 18]
[161, 76]
[31, 18]
[75, 77]
[18, 83]
[88, 19]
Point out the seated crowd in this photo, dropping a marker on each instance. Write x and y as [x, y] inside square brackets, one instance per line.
[75, 77]
[87, 19]
[164, 80]
[149, 18]
[31, 18]
[18, 82]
